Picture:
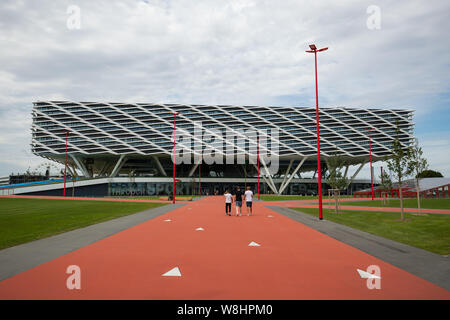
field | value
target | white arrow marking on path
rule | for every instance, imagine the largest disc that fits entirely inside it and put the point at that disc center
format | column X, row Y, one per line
column 199, row 229
column 168, row 220
column 253, row 244
column 175, row 272
column 366, row 275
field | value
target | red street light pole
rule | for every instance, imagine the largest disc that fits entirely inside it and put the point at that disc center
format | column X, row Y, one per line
column 199, row 177
column 65, row 164
column 315, row 50
column 173, row 160
column 371, row 171
column 245, row 172
column 257, row 140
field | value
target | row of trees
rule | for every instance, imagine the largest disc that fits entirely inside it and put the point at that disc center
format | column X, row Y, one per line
column 406, row 163
column 401, row 163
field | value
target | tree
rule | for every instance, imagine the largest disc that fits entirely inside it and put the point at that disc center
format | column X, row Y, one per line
column 336, row 179
column 398, row 165
column 417, row 164
column 430, row 174
column 386, row 183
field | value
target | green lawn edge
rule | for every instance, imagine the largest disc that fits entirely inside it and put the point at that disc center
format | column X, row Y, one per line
column 25, row 220
column 431, row 232
column 407, row 203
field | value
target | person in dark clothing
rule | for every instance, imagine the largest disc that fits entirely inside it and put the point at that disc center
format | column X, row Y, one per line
column 238, row 196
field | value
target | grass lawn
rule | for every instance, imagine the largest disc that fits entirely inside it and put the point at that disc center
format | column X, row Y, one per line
column 407, row 203
column 430, row 232
column 24, row 220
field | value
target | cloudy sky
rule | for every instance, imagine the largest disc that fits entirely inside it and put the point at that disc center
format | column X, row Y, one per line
column 382, row 54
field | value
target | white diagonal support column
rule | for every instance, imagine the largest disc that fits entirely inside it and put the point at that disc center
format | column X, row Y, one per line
column 282, row 187
column 274, row 188
column 159, row 166
column 191, row 172
column 103, row 170
column 80, row 165
column 356, row 173
column 118, row 166
column 268, row 182
column 69, row 169
column 74, row 171
column 346, row 170
column 287, row 171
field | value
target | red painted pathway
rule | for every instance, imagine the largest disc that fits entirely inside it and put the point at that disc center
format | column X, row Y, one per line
column 293, row 262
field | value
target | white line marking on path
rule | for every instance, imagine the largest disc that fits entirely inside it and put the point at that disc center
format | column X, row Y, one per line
column 175, row 272
column 366, row 275
column 199, row 229
column 167, row 220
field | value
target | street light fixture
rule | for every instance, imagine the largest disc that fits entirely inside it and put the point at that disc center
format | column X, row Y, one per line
column 173, row 160
column 315, row 50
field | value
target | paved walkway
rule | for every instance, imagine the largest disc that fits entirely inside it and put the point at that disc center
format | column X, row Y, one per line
column 292, row 261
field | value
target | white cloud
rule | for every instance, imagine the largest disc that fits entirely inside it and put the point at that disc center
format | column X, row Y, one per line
column 436, row 147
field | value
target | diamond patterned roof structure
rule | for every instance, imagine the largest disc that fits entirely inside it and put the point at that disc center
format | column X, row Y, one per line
column 143, row 129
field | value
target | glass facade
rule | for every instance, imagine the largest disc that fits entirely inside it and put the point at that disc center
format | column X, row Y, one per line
column 210, row 188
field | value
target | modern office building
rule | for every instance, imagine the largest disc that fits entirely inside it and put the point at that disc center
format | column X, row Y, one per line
column 129, row 146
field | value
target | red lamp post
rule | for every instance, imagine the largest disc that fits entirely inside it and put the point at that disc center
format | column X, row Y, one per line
column 371, row 171
column 257, row 140
column 315, row 50
column 199, row 177
column 65, row 164
column 245, row 172
column 173, row 160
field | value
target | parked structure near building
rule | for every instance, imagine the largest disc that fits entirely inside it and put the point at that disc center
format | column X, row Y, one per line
column 428, row 188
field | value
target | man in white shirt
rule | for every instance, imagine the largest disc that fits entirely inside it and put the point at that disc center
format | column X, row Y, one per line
column 228, row 201
column 249, row 201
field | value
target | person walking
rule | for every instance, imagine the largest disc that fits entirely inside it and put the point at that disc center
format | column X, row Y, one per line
column 249, row 201
column 238, row 199
column 228, row 202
